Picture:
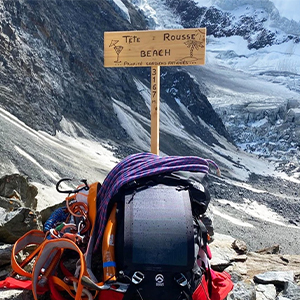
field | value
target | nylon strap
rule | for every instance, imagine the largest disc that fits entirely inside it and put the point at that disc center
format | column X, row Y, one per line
column 47, row 249
column 32, row 237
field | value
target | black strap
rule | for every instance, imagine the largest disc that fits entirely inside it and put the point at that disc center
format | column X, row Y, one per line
column 185, row 286
column 209, row 281
column 205, row 243
column 131, row 290
column 203, row 232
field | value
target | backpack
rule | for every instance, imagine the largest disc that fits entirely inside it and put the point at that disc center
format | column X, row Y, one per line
column 128, row 272
column 159, row 241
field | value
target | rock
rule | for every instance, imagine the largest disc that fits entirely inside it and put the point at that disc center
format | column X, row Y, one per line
column 239, row 246
column 46, row 213
column 275, row 277
column 293, row 116
column 9, row 204
column 269, row 250
column 121, row 9
column 235, row 277
column 17, row 188
column 293, row 103
column 291, row 291
column 265, row 292
column 222, row 252
column 242, row 291
column 21, row 295
column 5, row 261
column 15, row 295
column 17, row 207
column 258, row 264
column 5, row 253
column 16, row 223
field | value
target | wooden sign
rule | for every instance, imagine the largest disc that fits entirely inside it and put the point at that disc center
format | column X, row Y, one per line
column 155, row 48
column 149, row 48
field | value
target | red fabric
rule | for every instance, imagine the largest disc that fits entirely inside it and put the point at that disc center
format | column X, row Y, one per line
column 12, row 283
column 221, row 285
column 55, row 295
column 201, row 292
column 110, row 295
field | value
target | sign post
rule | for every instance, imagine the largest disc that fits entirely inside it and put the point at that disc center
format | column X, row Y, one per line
column 155, row 92
column 155, row 48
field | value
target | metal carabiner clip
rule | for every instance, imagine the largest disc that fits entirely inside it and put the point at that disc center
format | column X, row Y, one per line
column 85, row 187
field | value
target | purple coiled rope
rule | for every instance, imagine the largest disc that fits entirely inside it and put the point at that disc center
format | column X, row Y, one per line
column 138, row 166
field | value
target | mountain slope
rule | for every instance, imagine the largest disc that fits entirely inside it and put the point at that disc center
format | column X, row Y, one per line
column 251, row 76
column 52, row 67
column 53, row 81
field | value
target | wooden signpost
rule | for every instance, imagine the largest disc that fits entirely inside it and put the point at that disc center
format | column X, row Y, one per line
column 155, row 48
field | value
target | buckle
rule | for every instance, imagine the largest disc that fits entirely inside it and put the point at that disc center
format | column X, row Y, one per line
column 137, row 277
column 119, row 287
column 181, row 279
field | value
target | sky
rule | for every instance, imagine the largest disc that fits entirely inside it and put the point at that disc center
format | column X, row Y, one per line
column 288, row 8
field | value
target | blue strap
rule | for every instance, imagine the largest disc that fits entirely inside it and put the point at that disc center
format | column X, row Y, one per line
column 109, row 264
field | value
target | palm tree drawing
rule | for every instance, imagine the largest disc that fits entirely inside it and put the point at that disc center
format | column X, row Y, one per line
column 196, row 44
column 118, row 49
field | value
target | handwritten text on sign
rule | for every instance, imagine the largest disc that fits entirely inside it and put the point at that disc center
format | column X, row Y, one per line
column 155, row 48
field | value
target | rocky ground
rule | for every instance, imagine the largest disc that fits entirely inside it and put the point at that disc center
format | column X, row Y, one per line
column 279, row 195
column 263, row 260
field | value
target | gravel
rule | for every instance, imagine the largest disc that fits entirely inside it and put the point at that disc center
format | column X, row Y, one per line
column 277, row 225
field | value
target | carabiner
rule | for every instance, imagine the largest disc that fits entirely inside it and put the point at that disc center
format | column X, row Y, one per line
column 85, row 187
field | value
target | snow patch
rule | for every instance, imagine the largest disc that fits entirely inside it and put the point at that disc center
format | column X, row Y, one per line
column 184, row 109
column 52, row 175
column 230, row 218
column 121, row 9
column 157, row 14
column 129, row 121
column 256, row 210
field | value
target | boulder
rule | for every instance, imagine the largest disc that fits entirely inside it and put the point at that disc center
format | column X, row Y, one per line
column 265, row 292
column 223, row 253
column 239, row 246
column 16, row 187
column 275, row 277
column 5, row 252
column 14, row 224
column 291, row 291
column 17, row 207
column 242, row 291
